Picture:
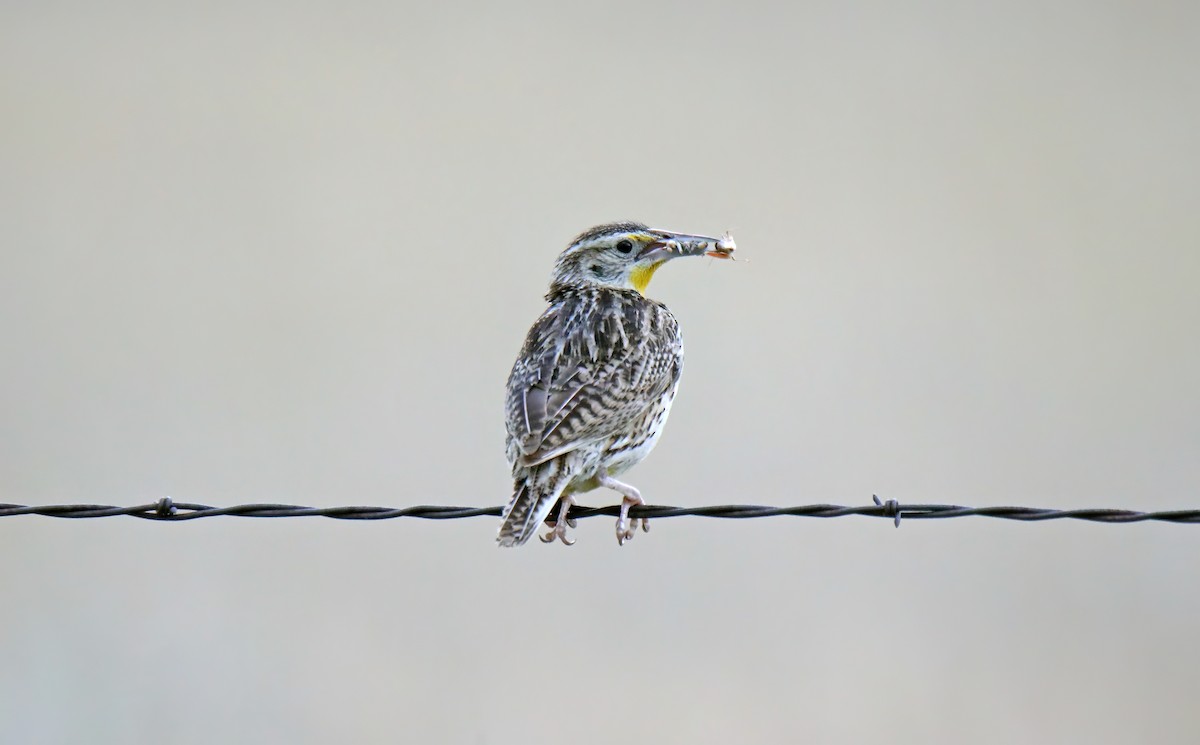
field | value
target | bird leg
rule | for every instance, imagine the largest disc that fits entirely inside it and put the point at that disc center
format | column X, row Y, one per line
column 625, row 526
column 561, row 523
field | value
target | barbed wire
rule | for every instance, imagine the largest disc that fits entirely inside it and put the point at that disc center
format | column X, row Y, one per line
column 168, row 510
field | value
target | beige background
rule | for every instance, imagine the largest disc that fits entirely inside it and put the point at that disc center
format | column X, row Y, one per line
column 270, row 252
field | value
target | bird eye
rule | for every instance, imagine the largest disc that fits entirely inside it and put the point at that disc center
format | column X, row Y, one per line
column 624, row 246
column 596, row 269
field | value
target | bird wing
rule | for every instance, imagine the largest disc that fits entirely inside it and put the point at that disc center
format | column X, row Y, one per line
column 578, row 381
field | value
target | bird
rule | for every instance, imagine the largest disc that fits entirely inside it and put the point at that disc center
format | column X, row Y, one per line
column 591, row 388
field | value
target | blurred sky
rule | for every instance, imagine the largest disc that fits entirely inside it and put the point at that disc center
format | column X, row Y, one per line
column 268, row 251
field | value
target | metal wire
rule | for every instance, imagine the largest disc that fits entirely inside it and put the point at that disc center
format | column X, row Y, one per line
column 169, row 510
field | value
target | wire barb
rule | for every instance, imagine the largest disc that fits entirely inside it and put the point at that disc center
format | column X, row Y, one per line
column 168, row 510
column 889, row 507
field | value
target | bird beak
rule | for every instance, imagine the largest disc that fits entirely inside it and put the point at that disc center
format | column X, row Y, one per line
column 668, row 245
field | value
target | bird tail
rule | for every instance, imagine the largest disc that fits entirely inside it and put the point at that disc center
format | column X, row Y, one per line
column 533, row 497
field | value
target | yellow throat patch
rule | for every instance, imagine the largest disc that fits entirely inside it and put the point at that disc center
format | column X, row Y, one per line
column 640, row 276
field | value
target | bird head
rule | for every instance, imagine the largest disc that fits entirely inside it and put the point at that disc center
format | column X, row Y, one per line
column 625, row 255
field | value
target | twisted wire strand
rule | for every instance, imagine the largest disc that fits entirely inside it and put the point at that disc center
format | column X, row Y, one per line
column 168, row 510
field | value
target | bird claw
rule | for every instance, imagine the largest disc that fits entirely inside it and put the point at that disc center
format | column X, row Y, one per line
column 558, row 530
column 626, row 531
column 627, row 526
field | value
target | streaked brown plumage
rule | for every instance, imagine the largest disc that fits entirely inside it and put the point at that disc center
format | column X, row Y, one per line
column 592, row 387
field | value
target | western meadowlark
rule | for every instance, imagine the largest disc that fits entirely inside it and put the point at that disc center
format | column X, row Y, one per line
column 591, row 389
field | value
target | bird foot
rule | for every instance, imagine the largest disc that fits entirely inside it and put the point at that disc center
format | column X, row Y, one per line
column 558, row 530
column 626, row 526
